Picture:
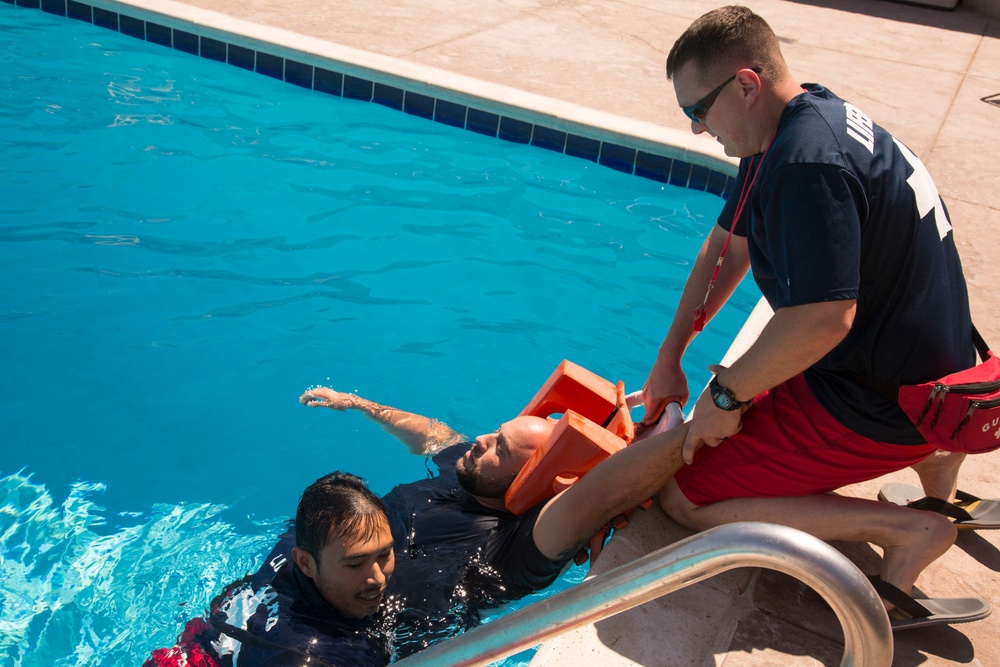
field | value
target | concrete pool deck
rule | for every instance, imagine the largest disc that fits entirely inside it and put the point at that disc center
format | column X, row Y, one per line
column 931, row 77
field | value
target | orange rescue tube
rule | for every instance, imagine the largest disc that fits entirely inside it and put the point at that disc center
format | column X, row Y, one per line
column 573, row 387
column 595, row 424
column 576, row 445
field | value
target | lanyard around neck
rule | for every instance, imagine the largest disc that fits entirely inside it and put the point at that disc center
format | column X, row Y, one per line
column 701, row 315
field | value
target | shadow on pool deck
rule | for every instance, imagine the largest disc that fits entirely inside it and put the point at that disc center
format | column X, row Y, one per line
column 920, row 72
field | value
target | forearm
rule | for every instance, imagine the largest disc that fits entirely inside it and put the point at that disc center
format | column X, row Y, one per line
column 735, row 266
column 421, row 435
column 615, row 485
column 793, row 340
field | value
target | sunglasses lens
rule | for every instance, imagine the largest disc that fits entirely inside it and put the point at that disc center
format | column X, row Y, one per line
column 695, row 112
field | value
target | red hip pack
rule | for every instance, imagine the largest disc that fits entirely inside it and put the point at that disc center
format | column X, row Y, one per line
column 960, row 412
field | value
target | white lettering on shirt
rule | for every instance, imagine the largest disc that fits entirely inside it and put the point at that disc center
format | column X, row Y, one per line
column 924, row 191
column 860, row 127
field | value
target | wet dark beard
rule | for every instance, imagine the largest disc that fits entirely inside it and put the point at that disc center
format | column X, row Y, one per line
column 475, row 485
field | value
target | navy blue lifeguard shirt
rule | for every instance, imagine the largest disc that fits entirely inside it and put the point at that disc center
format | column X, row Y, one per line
column 842, row 210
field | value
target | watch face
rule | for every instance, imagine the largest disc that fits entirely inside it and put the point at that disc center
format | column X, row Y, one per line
column 722, row 400
column 721, row 396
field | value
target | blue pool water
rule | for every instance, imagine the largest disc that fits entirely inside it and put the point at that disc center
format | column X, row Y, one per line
column 185, row 247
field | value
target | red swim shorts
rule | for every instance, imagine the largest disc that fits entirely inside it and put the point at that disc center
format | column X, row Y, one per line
column 790, row 446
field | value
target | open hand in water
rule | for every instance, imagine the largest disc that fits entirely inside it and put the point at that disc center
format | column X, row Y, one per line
column 324, row 397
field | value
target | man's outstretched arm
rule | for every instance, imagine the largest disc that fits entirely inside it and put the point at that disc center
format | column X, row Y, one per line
column 615, row 485
column 422, row 436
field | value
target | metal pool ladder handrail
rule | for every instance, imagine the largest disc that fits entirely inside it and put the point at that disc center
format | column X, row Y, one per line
column 867, row 635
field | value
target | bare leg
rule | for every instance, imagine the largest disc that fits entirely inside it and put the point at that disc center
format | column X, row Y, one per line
column 939, row 474
column 910, row 539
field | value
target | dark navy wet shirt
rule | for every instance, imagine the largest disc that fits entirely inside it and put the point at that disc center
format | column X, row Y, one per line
column 842, row 210
column 281, row 606
column 455, row 557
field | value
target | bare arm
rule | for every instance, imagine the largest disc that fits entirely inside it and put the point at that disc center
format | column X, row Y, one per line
column 666, row 377
column 615, row 485
column 794, row 339
column 422, row 436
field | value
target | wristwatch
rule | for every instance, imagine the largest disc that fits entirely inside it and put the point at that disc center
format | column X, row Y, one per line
column 723, row 398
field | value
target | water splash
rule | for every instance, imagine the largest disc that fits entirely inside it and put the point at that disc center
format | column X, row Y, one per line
column 74, row 595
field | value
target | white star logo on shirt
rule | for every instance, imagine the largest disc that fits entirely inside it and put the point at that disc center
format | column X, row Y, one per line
column 924, row 191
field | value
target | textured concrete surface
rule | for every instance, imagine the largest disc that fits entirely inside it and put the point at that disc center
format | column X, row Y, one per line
column 920, row 72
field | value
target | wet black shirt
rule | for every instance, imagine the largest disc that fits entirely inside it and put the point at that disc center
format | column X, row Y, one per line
column 455, row 557
column 278, row 618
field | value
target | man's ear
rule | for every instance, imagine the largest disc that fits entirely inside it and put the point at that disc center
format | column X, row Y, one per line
column 305, row 561
column 750, row 83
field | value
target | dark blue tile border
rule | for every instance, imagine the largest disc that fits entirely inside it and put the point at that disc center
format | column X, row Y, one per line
column 699, row 177
column 356, row 88
column 419, row 105
column 271, row 65
column 507, row 128
column 680, row 173
column 158, row 34
column 388, row 96
column 655, row 167
column 549, row 139
column 298, row 73
column 79, row 11
column 183, row 41
column 450, row 113
column 329, row 82
column 105, row 19
column 716, row 183
column 213, row 49
column 583, row 147
column 54, row 7
column 241, row 56
column 517, row 131
column 617, row 157
column 132, row 27
column 483, row 122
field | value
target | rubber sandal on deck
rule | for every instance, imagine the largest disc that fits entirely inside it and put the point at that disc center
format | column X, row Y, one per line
column 968, row 511
column 911, row 613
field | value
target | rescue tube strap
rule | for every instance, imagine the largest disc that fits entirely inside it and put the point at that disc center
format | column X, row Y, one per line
column 614, row 413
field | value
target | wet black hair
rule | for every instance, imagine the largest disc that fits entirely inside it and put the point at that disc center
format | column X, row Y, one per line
column 337, row 505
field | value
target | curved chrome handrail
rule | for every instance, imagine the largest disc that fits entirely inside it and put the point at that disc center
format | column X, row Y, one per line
column 867, row 635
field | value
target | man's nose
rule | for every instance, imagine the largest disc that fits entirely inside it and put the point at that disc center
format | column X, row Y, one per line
column 377, row 576
column 697, row 127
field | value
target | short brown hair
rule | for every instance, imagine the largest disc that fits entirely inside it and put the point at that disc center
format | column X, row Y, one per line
column 725, row 40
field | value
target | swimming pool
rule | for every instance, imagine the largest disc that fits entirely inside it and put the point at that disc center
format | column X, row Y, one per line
column 185, row 247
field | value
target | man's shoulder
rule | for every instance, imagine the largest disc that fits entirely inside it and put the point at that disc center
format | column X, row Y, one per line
column 444, row 480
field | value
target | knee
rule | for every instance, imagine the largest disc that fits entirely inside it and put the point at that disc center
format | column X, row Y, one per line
column 935, row 528
column 943, row 528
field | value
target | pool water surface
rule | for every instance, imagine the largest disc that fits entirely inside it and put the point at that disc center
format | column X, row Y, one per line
column 185, row 247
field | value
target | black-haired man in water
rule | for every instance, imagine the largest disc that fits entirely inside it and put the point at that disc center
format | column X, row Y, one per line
column 458, row 550
column 314, row 601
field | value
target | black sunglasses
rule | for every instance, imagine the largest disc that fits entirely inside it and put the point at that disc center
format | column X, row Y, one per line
column 699, row 109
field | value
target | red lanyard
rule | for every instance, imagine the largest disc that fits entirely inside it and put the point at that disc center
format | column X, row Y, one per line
column 701, row 315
